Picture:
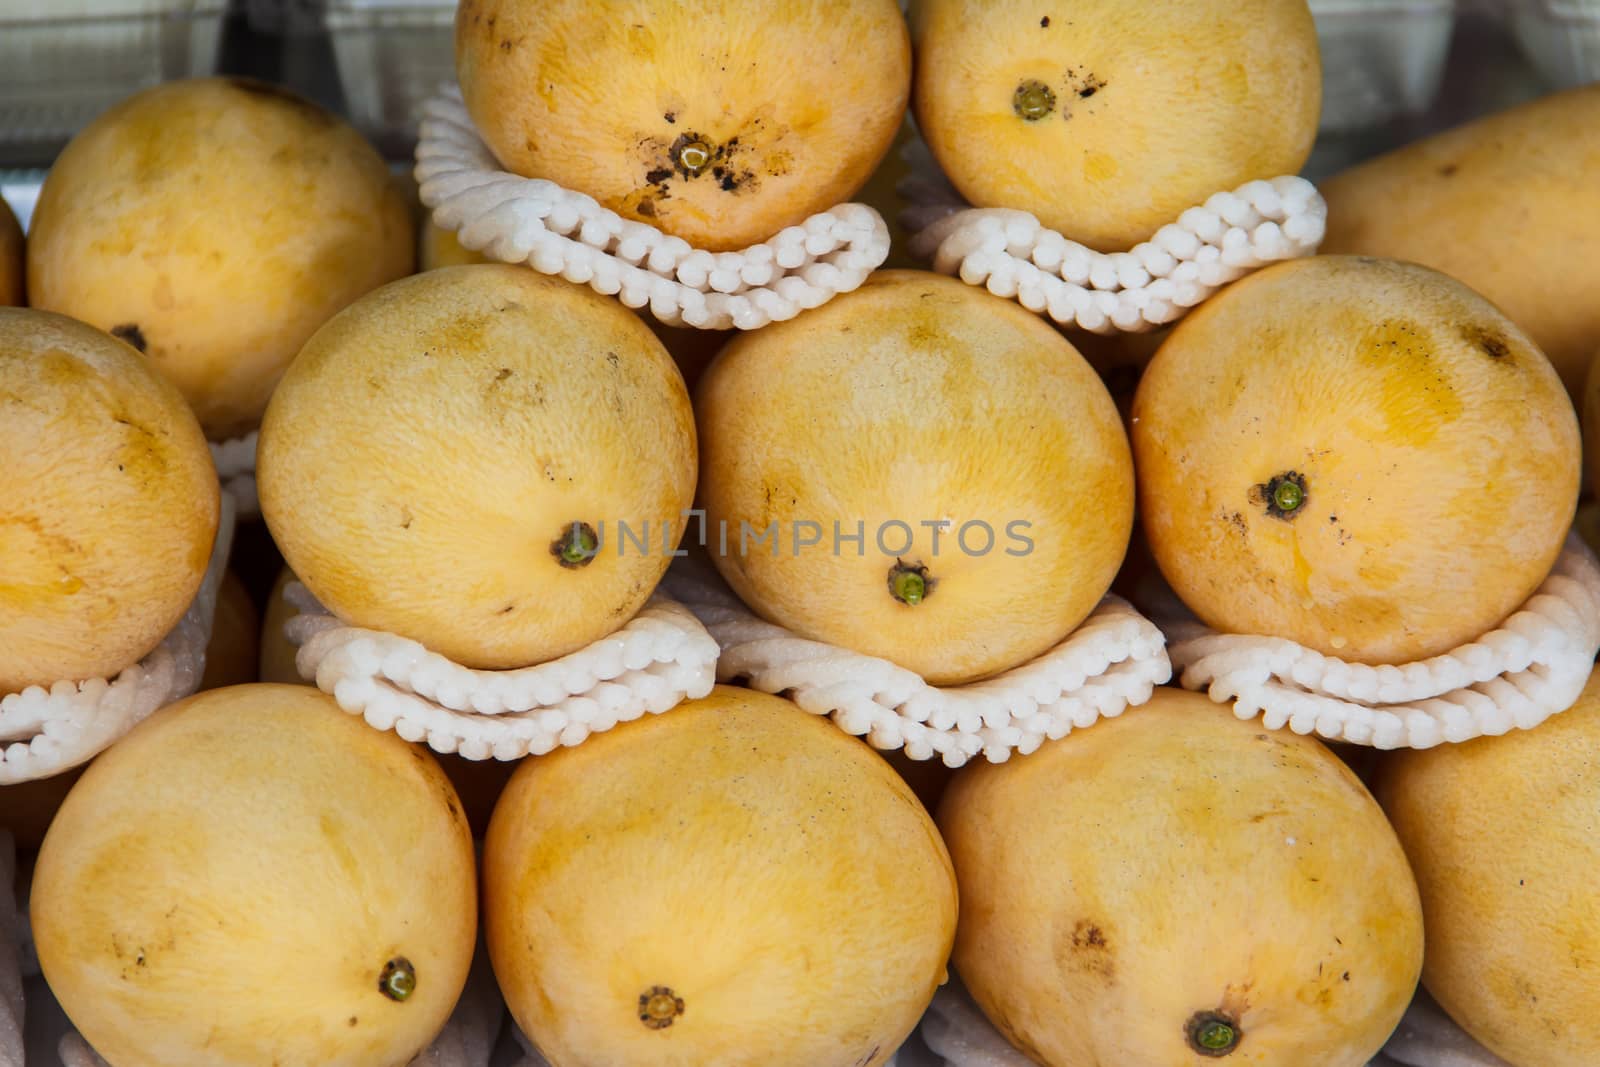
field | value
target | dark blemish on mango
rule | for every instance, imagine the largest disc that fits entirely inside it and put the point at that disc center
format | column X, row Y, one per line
column 1084, row 83
column 659, row 1006
column 1449, row 170
column 647, row 208
column 353, row 1020
column 1044, row 23
column 508, row 609
column 130, row 333
column 1086, row 935
column 1492, row 344
column 658, row 175
column 671, row 117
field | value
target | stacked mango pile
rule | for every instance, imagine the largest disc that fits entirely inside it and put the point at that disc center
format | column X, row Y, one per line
column 478, row 460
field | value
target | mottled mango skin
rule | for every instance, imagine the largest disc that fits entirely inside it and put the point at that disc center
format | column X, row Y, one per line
column 215, row 224
column 1438, row 452
column 1501, row 834
column 224, row 887
column 433, row 441
column 771, row 871
column 1173, row 861
column 1154, row 106
column 1507, row 204
column 915, row 400
column 797, row 101
column 13, row 270
column 232, row 654
column 692, row 349
column 109, row 503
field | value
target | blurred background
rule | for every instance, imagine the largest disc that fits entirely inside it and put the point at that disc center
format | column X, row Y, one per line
column 1394, row 69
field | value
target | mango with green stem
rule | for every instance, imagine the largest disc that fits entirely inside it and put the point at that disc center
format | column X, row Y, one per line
column 1108, row 119
column 1359, row 455
column 936, row 475
column 719, row 121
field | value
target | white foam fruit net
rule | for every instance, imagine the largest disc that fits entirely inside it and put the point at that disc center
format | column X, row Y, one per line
column 561, row 232
column 235, row 460
column 1013, row 255
column 659, row 659
column 44, row 731
column 957, row 1034
column 1530, row 667
column 1112, row 661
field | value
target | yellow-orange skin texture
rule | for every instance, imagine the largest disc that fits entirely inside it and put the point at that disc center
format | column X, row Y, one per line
column 1501, row 834
column 1438, row 451
column 692, row 349
column 216, row 223
column 772, row 872
column 234, row 650
column 109, row 503
column 434, row 441
column 1154, row 106
column 916, row 399
column 1174, row 861
column 13, row 270
column 224, row 887
column 797, row 103
column 1506, row 204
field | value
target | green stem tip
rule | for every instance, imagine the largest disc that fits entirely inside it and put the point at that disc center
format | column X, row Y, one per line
column 398, row 980
column 1284, row 494
column 909, row 584
column 1033, row 100
column 577, row 545
column 659, row 1006
column 1212, row 1034
column 693, row 154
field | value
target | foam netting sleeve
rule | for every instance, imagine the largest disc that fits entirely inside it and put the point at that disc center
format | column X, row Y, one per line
column 657, row 660
column 1014, row 255
column 235, row 460
column 1112, row 661
column 1530, row 667
column 44, row 731
column 958, row 1035
column 561, row 232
